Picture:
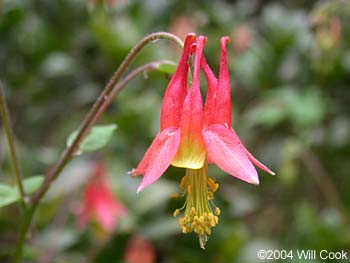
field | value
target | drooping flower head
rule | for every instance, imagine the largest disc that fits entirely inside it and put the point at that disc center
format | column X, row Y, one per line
column 99, row 204
column 191, row 136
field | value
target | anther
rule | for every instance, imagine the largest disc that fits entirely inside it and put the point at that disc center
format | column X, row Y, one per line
column 212, row 185
column 200, row 213
column 207, row 230
column 193, row 211
column 189, row 189
column 183, row 182
column 176, row 212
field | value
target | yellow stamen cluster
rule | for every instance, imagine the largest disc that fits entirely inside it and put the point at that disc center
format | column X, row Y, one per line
column 201, row 225
column 200, row 214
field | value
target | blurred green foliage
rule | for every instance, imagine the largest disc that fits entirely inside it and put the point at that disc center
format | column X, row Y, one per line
column 290, row 73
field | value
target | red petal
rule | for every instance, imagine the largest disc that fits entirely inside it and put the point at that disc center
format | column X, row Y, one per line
column 223, row 104
column 209, row 108
column 226, row 151
column 177, row 89
column 258, row 163
column 253, row 159
column 105, row 215
column 191, row 153
column 108, row 209
column 158, row 156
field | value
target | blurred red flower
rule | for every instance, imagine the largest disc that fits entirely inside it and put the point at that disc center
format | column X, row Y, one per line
column 98, row 203
column 139, row 250
column 182, row 25
column 243, row 38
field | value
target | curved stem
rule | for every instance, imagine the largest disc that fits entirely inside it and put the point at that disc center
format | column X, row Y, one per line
column 117, row 88
column 99, row 106
column 10, row 138
column 86, row 125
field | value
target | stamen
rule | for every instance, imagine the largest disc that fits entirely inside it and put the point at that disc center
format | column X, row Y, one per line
column 183, row 182
column 176, row 212
column 212, row 185
column 200, row 214
column 189, row 189
column 174, row 195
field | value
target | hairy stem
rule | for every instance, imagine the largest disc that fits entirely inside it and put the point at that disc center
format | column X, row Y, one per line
column 10, row 138
column 117, row 88
column 99, row 106
column 90, row 117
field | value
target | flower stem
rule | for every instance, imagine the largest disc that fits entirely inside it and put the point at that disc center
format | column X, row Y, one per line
column 117, row 88
column 97, row 109
column 90, row 117
column 27, row 219
column 10, row 138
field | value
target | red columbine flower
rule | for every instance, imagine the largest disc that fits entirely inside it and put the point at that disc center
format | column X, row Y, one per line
column 98, row 202
column 190, row 136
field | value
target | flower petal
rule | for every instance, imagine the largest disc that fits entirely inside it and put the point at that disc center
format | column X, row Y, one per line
column 225, row 149
column 223, row 98
column 191, row 152
column 108, row 209
column 209, row 107
column 106, row 215
column 158, row 156
column 258, row 163
column 252, row 158
column 177, row 89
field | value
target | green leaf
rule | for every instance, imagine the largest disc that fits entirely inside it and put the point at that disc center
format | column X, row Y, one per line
column 96, row 139
column 266, row 114
column 33, row 183
column 307, row 107
column 8, row 195
column 169, row 67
